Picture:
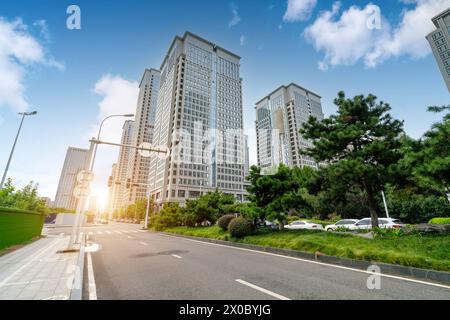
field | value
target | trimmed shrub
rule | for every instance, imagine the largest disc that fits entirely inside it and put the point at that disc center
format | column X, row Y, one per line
column 225, row 220
column 439, row 221
column 240, row 227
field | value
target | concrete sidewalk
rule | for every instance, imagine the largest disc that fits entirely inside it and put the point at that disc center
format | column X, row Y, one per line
column 37, row 271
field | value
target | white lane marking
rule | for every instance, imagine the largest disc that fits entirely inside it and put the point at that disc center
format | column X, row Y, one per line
column 134, row 231
column 142, row 231
column 316, row 262
column 118, row 232
column 91, row 279
column 108, row 232
column 270, row 293
column 91, row 233
column 130, row 237
column 99, row 232
column 143, row 243
column 125, row 231
column 176, row 256
column 33, row 258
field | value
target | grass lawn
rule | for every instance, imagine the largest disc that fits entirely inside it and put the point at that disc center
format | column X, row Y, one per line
column 429, row 251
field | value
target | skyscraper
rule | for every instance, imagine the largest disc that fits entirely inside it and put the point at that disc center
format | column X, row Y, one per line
column 74, row 162
column 279, row 117
column 122, row 165
column 138, row 166
column 439, row 41
column 199, row 118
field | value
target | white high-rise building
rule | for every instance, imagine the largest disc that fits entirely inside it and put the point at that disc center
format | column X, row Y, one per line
column 199, row 118
column 74, row 162
column 138, row 166
column 120, row 200
column 439, row 41
column 279, row 117
column 246, row 157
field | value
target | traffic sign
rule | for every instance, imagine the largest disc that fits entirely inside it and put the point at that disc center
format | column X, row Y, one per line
column 85, row 176
column 81, row 191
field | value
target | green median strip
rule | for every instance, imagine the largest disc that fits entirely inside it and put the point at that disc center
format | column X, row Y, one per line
column 428, row 251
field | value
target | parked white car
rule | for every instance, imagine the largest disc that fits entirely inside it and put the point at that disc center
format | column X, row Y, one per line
column 302, row 224
column 366, row 223
column 345, row 223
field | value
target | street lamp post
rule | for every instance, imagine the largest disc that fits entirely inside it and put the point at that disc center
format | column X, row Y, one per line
column 82, row 201
column 23, row 114
column 128, row 115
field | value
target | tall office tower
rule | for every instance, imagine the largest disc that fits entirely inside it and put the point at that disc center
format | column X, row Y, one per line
column 75, row 161
column 246, row 157
column 113, row 189
column 199, row 118
column 138, row 166
column 122, row 165
column 439, row 41
column 279, row 117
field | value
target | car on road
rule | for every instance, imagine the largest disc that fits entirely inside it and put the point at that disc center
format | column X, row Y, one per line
column 303, row 224
column 341, row 224
column 384, row 223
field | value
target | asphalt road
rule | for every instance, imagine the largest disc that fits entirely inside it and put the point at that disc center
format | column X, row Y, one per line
column 133, row 264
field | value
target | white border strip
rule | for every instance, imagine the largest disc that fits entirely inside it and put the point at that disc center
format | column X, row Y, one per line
column 91, row 279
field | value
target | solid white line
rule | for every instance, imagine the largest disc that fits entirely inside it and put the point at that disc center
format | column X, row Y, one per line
column 143, row 243
column 134, row 231
column 142, row 231
column 176, row 256
column 270, row 293
column 316, row 262
column 130, row 237
column 91, row 279
column 99, row 232
column 108, row 232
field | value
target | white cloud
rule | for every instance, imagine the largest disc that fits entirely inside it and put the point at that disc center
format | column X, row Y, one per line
column 346, row 39
column 19, row 51
column 42, row 25
column 118, row 96
column 242, row 40
column 235, row 19
column 299, row 10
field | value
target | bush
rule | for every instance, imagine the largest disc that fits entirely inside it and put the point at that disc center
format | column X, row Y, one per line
column 169, row 216
column 240, row 227
column 439, row 221
column 225, row 220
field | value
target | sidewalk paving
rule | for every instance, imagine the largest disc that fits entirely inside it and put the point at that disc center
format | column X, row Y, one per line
column 37, row 271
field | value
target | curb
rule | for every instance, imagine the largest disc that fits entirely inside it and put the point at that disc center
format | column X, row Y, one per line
column 77, row 291
column 440, row 277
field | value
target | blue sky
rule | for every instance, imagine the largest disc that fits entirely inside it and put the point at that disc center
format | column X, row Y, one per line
column 74, row 77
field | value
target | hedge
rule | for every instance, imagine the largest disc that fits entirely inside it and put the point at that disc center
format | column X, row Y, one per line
column 18, row 226
column 439, row 221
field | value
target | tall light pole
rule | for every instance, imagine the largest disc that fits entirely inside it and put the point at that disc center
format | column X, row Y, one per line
column 81, row 203
column 128, row 115
column 23, row 114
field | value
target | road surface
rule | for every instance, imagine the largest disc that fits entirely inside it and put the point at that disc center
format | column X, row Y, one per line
column 130, row 263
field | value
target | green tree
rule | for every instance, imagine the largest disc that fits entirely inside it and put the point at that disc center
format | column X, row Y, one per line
column 359, row 144
column 26, row 198
column 432, row 157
